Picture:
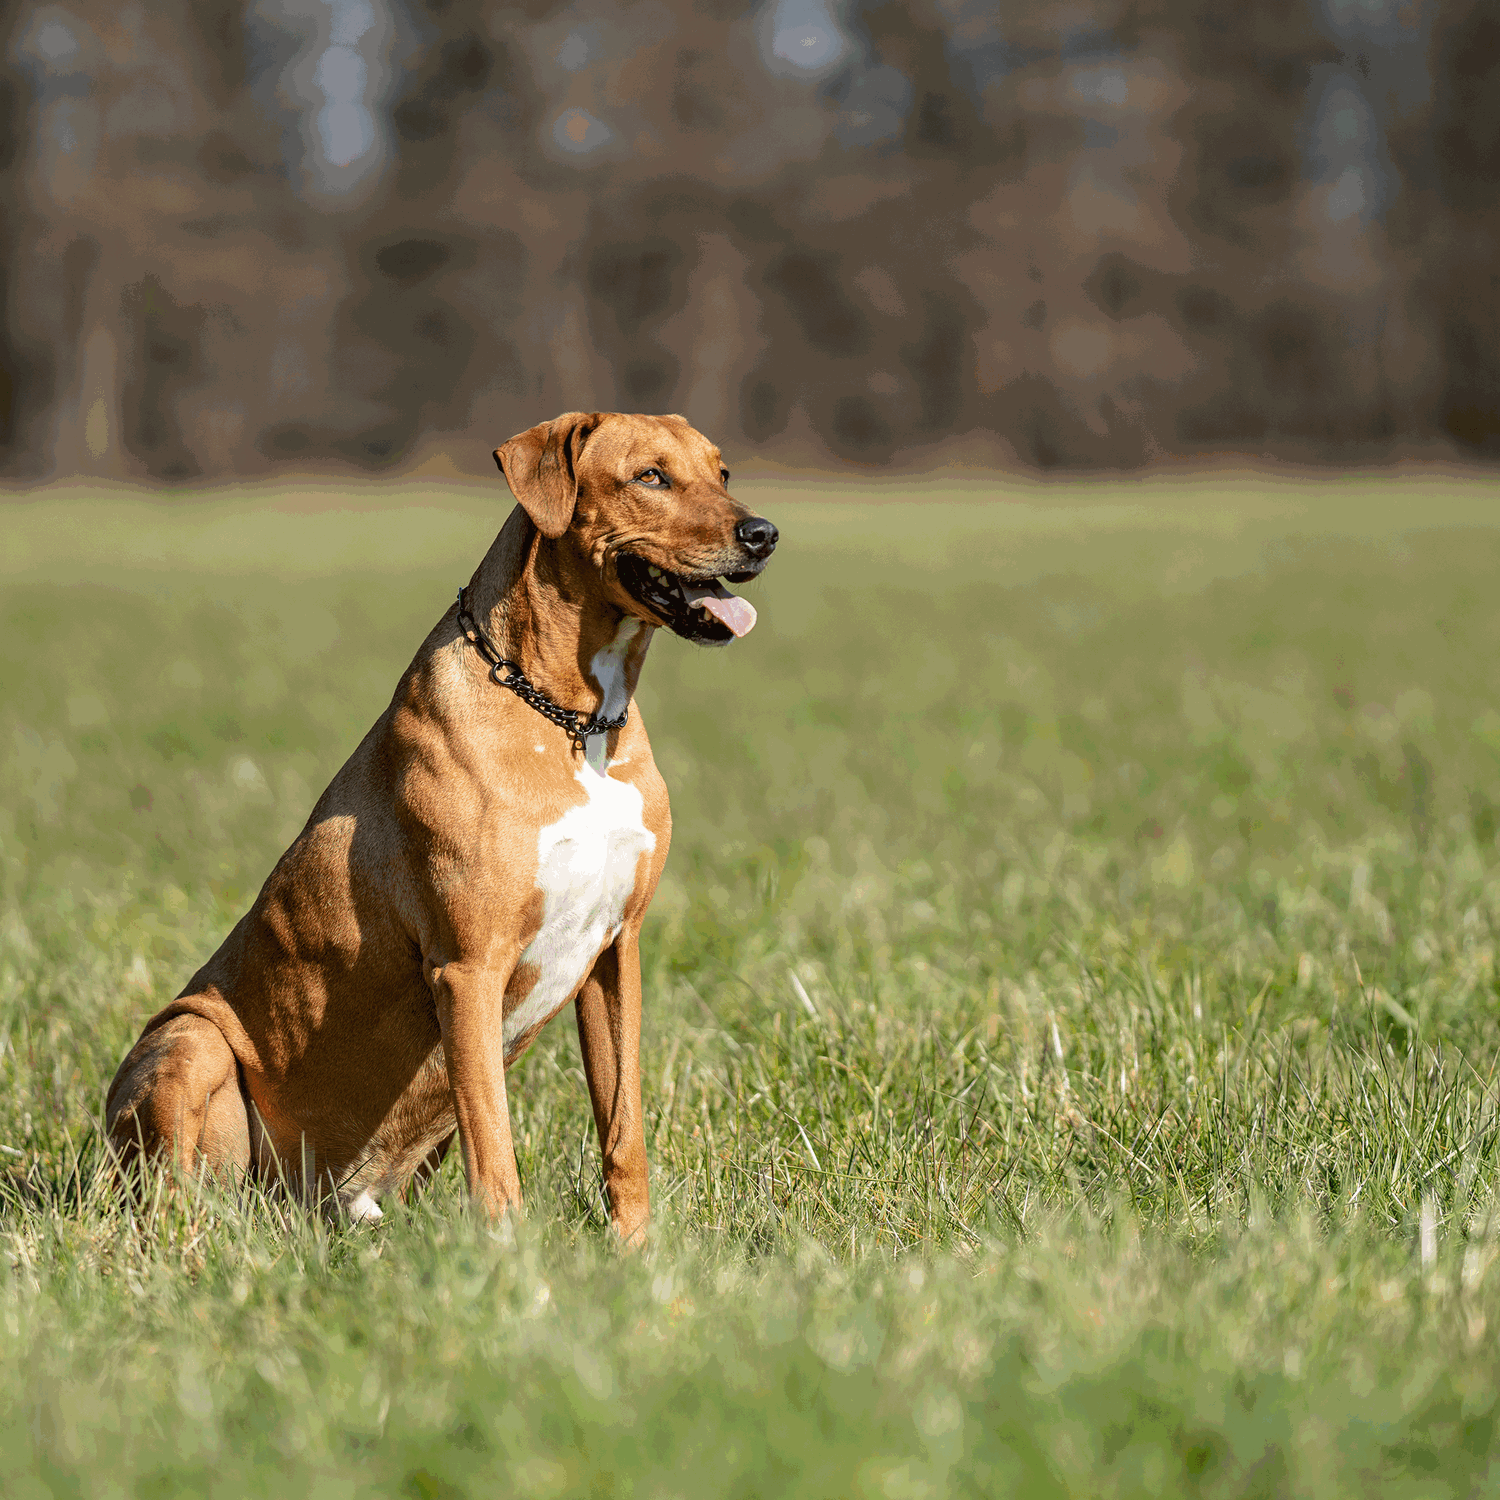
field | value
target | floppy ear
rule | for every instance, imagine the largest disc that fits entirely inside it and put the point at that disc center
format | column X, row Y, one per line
column 539, row 467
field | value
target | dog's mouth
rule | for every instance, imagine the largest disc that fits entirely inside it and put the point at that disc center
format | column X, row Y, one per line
column 697, row 609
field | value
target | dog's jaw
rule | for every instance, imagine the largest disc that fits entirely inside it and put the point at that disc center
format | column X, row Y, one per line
column 699, row 609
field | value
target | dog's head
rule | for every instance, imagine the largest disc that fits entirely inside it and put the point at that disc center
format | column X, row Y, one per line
column 644, row 500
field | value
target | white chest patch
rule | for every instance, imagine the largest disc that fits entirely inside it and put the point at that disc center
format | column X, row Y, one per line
column 586, row 871
column 585, row 866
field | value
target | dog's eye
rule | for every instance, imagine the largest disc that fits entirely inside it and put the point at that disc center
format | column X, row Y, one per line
column 723, row 476
column 653, row 477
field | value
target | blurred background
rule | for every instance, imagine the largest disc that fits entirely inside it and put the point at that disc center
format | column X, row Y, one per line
column 375, row 235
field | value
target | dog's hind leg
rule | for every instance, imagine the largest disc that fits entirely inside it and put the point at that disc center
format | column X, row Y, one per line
column 426, row 1169
column 178, row 1095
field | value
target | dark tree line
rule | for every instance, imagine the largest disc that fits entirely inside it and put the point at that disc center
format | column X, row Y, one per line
column 374, row 233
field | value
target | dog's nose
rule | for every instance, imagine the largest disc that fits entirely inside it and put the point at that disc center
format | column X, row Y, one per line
column 757, row 536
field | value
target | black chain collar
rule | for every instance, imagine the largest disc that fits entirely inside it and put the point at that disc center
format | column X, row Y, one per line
column 571, row 721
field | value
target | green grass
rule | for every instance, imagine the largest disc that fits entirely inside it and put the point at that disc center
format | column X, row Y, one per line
column 1071, row 1037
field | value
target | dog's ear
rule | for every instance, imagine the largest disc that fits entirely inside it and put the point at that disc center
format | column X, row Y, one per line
column 540, row 466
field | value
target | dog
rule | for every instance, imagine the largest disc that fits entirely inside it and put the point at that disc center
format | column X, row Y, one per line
column 485, row 856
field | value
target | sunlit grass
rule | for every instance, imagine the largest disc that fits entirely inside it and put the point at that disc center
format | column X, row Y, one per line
column 1071, row 1012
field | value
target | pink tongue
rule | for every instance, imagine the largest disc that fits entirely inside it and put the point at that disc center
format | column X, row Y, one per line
column 738, row 614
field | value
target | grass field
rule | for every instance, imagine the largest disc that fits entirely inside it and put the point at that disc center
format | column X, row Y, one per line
column 1071, row 1022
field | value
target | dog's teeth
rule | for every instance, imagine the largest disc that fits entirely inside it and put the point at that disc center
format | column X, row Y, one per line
column 654, row 571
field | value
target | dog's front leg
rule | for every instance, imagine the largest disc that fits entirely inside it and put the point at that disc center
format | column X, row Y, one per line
column 609, row 1036
column 469, row 1002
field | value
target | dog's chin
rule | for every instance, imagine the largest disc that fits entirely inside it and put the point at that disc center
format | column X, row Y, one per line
column 668, row 598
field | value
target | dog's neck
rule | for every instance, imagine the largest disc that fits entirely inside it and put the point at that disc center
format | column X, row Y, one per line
column 545, row 609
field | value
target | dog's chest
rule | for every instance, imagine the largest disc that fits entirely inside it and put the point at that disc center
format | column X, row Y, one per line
column 586, row 871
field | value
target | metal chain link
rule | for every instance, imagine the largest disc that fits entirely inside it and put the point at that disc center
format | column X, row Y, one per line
column 570, row 720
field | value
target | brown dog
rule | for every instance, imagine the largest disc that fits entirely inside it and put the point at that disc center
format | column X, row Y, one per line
column 484, row 857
